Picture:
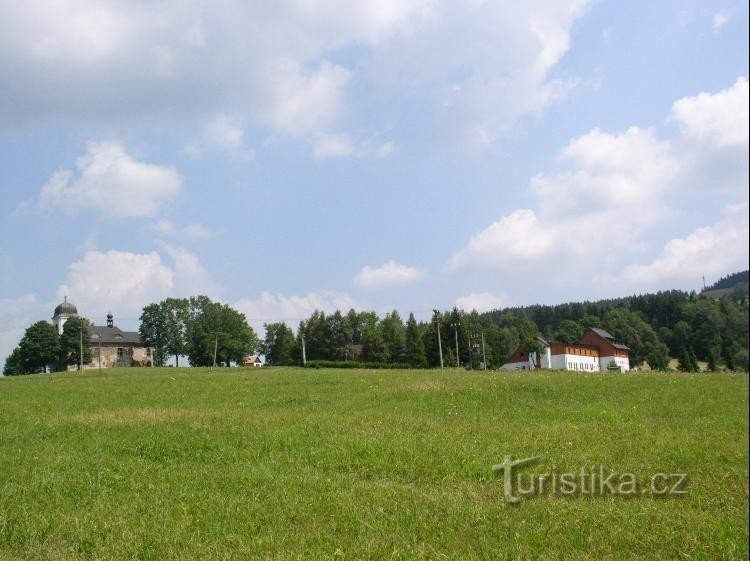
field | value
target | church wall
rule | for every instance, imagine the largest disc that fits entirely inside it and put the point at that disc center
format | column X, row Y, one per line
column 140, row 356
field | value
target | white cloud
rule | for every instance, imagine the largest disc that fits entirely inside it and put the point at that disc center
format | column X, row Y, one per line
column 481, row 302
column 719, row 20
column 305, row 100
column 194, row 231
column 268, row 307
column 721, row 118
column 123, row 282
column 151, row 62
column 517, row 237
column 616, row 187
column 613, row 176
column 190, row 277
column 222, row 132
column 109, row 181
column 387, row 275
column 332, row 146
column 710, row 250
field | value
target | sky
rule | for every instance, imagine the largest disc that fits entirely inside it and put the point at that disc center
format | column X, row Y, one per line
column 412, row 154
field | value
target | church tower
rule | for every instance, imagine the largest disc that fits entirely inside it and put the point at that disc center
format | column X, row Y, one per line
column 62, row 313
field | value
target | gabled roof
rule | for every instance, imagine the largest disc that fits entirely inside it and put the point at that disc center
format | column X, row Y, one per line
column 609, row 337
column 104, row 334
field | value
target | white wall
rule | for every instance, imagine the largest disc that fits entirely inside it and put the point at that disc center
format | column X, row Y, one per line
column 623, row 363
column 524, row 365
column 575, row 362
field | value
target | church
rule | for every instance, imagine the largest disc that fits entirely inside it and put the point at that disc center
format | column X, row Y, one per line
column 110, row 346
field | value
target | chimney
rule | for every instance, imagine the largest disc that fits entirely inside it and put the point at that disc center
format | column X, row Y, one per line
column 110, row 321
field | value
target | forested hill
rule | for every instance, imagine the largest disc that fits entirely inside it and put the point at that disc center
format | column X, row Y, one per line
column 712, row 326
column 730, row 281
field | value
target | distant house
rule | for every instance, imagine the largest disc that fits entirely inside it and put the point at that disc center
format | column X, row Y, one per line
column 252, row 360
column 595, row 351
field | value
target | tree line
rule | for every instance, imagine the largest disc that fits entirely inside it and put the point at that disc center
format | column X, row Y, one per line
column 656, row 327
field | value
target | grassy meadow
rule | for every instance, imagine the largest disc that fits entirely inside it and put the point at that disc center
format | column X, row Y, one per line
column 323, row 464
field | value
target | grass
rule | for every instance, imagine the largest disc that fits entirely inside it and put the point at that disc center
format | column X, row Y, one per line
column 292, row 464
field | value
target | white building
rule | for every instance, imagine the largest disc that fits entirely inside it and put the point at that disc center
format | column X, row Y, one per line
column 595, row 351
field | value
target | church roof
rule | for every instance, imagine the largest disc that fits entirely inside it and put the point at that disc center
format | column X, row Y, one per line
column 66, row 308
column 105, row 334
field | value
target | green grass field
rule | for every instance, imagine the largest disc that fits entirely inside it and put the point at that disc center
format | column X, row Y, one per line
column 299, row 464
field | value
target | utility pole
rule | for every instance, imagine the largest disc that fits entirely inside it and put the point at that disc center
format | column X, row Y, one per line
column 80, row 347
column 484, row 356
column 471, row 350
column 440, row 344
column 455, row 332
column 304, row 355
column 216, row 344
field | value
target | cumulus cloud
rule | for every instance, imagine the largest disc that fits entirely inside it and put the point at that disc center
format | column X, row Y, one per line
column 222, row 132
column 387, row 275
column 481, row 302
column 268, row 307
column 123, row 282
column 722, row 118
column 615, row 188
column 710, row 250
column 110, row 181
column 193, row 231
column 612, row 176
column 148, row 61
column 305, row 100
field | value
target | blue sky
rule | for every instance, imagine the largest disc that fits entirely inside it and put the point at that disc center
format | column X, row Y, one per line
column 409, row 154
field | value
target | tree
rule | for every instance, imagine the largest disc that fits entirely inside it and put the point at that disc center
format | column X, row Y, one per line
column 74, row 336
column 394, row 336
column 414, row 352
column 13, row 365
column 569, row 331
column 39, row 348
column 176, row 312
column 279, row 344
column 341, row 336
column 688, row 362
column 154, row 331
column 374, row 348
column 217, row 327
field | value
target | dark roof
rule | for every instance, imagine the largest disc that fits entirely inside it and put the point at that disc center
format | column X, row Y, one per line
column 104, row 334
column 609, row 337
column 66, row 308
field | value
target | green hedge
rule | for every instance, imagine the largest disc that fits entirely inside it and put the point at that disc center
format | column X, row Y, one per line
column 354, row 364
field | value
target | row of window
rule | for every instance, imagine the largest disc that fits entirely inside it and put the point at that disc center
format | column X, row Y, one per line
column 582, row 366
column 582, row 352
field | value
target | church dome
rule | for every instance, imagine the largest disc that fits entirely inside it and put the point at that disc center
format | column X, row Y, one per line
column 66, row 308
